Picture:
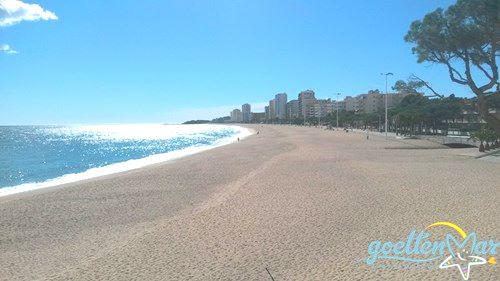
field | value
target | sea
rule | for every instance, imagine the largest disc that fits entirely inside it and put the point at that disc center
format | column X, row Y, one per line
column 33, row 157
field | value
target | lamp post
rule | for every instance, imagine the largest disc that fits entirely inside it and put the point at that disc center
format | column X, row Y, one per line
column 338, row 94
column 386, row 94
column 304, row 113
column 319, row 116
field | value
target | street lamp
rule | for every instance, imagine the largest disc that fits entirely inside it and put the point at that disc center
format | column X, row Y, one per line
column 386, row 94
column 338, row 94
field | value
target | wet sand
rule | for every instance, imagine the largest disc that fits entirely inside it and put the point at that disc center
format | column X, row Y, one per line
column 302, row 202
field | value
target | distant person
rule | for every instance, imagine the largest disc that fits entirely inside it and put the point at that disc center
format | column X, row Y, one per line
column 238, row 139
column 258, row 132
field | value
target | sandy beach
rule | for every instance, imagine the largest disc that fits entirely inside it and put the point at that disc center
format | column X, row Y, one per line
column 302, row 202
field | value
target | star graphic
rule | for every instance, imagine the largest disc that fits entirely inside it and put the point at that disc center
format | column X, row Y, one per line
column 463, row 264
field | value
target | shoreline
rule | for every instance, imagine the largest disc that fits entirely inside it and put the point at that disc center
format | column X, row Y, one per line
column 121, row 167
column 303, row 203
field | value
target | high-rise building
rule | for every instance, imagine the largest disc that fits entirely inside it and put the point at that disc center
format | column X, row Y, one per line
column 340, row 105
column 371, row 102
column 247, row 113
column 236, row 115
column 267, row 113
column 292, row 108
column 351, row 103
column 272, row 109
column 258, row 117
column 306, row 100
column 280, row 106
column 321, row 108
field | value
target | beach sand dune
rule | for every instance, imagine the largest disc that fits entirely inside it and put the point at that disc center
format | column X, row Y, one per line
column 302, row 202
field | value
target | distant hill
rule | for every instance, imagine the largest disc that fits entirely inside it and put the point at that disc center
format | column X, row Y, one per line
column 225, row 119
column 197, row 122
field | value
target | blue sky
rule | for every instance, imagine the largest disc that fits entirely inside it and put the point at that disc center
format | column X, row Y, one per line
column 169, row 61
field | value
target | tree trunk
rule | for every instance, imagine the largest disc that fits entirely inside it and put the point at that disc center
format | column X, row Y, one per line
column 484, row 111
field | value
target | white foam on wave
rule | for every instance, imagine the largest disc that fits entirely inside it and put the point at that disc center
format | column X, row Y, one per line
column 126, row 132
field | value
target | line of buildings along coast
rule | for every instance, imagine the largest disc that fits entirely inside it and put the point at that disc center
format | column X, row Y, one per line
column 306, row 106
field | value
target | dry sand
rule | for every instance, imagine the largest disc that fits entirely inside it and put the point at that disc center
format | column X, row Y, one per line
column 303, row 202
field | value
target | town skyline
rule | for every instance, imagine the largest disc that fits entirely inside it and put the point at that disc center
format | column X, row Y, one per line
column 307, row 105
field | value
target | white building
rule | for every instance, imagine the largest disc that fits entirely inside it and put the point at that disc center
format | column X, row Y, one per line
column 272, row 109
column 306, row 101
column 292, row 108
column 280, row 106
column 236, row 115
column 372, row 102
column 321, row 108
column 351, row 103
column 247, row 113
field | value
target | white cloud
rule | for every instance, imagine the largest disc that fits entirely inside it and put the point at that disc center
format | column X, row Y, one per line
column 7, row 49
column 15, row 11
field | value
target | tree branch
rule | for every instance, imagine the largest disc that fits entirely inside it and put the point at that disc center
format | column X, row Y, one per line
column 415, row 77
column 484, row 71
column 451, row 72
column 494, row 69
column 468, row 74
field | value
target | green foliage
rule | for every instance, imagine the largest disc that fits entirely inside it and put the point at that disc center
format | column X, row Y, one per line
column 464, row 29
column 408, row 87
column 346, row 118
column 485, row 134
column 494, row 101
column 297, row 121
column 419, row 109
column 464, row 38
column 414, row 110
column 376, row 91
column 197, row 122
column 448, row 108
column 312, row 120
column 413, row 101
column 224, row 119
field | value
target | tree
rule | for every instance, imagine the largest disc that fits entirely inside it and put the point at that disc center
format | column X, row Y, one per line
column 419, row 83
column 465, row 38
column 411, row 112
column 494, row 100
column 410, row 87
column 485, row 135
column 413, row 84
column 197, row 122
column 413, row 101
